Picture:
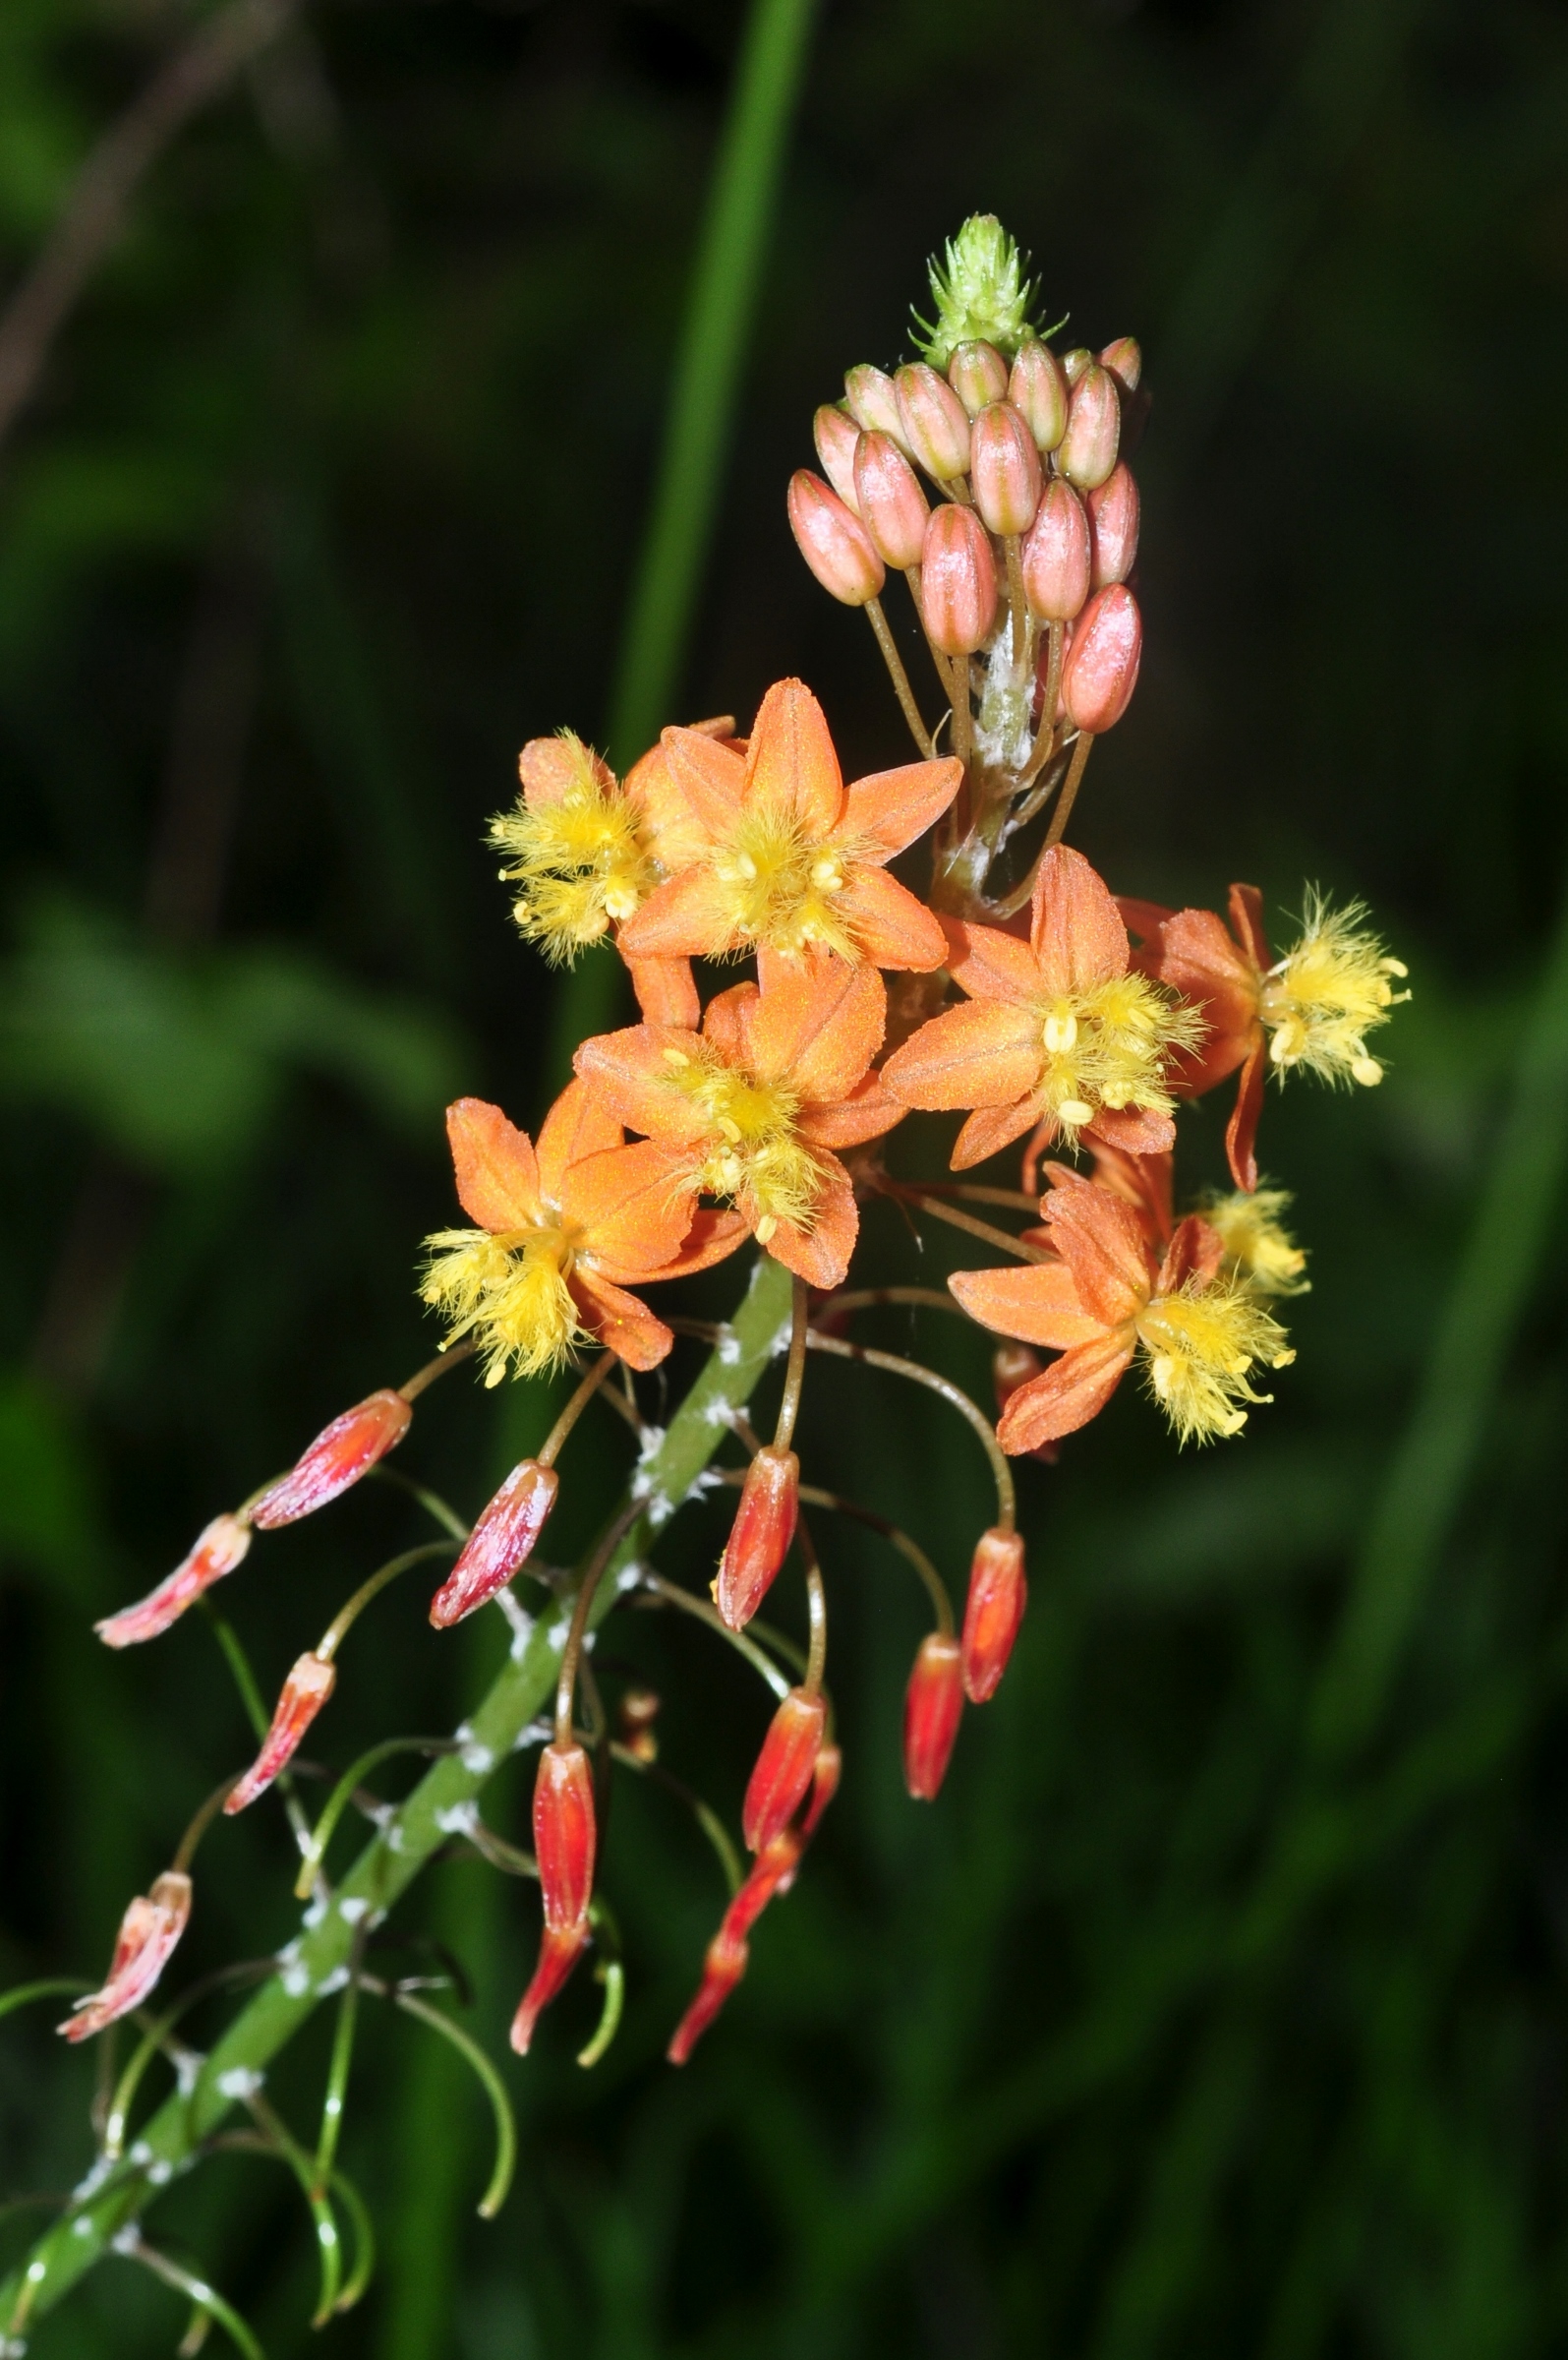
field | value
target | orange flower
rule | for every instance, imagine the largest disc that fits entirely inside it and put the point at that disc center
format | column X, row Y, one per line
column 783, row 857
column 1056, row 1031
column 751, row 1106
column 561, row 1233
column 1106, row 1299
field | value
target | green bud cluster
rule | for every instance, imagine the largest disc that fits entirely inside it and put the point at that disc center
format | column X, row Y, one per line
column 980, row 292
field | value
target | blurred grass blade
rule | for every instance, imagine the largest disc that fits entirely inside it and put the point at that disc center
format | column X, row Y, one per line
column 500, row 2178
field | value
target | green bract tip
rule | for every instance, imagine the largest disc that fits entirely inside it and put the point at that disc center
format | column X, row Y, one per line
column 980, row 292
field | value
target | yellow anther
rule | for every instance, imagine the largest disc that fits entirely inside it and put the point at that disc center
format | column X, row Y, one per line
column 1073, row 1110
column 1061, row 1033
column 1367, row 1072
column 767, row 1227
column 675, row 1057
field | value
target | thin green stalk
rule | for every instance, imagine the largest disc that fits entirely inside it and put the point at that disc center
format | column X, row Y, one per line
column 500, row 2178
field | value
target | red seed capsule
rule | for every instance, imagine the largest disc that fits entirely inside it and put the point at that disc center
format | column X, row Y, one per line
column 558, row 1954
column 832, row 541
column 220, row 1548
column 566, row 1835
column 143, row 1948
column 1113, row 525
column 998, row 1595
column 305, row 1692
column 339, row 1456
column 935, row 423
column 784, row 1768
column 1124, row 360
column 932, row 1705
column 873, row 401
column 1101, row 669
column 1089, row 447
column 835, row 435
column 760, row 1536
column 501, row 1543
column 1005, row 469
column 978, row 375
column 1057, row 554
column 957, row 580
column 1038, row 390
column 893, row 507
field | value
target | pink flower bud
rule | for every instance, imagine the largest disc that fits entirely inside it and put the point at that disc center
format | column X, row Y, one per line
column 1038, row 390
column 501, row 1543
column 957, row 580
column 1113, row 525
column 566, row 1835
column 873, row 401
column 558, row 1954
column 305, row 1692
column 998, row 1595
column 1093, row 429
column 219, row 1550
column 1075, row 363
column 978, row 375
column 932, row 1704
column 835, row 435
column 1005, row 469
column 760, row 1536
column 144, row 1946
column 784, row 1768
column 893, row 507
column 1100, row 672
column 832, row 541
column 1057, row 554
column 935, row 422
column 1124, row 360
column 722, row 1968
column 339, row 1456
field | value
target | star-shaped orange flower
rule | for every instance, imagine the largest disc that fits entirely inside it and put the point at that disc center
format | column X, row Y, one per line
column 791, row 860
column 751, row 1106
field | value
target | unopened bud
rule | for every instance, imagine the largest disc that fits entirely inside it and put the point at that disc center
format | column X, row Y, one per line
column 893, row 507
column 998, row 1595
column 1124, row 360
column 1075, row 363
column 143, row 1948
column 1101, row 669
column 1113, row 525
column 784, row 1768
column 339, row 1456
column 978, row 375
column 1005, row 469
column 760, row 1536
column 1057, row 554
column 566, row 1835
column 639, row 1711
column 723, row 1967
column 501, row 1543
column 220, row 1548
column 558, row 1954
column 873, row 401
column 1038, row 390
column 835, row 435
column 932, row 1705
column 832, row 541
column 957, row 580
column 1093, row 429
column 305, row 1692
column 935, row 422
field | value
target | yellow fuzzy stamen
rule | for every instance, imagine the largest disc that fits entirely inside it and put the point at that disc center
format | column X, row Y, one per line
column 1200, row 1346
column 509, row 1292
column 1321, row 1000
column 778, row 885
column 581, row 861
column 751, row 1153
column 1108, row 1045
column 1259, row 1251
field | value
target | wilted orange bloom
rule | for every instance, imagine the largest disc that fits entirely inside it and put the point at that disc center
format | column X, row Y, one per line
column 148, row 1932
column 563, row 1232
column 752, row 1106
column 1106, row 1299
column 784, row 857
column 1056, row 1031
column 303, row 1693
column 222, row 1545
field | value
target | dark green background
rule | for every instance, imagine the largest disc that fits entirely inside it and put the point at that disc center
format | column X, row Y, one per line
column 330, row 496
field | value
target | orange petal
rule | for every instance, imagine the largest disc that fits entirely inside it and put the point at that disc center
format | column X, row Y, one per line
column 892, row 807
column 1143, row 1181
column 986, row 1054
column 548, row 766
column 707, row 777
column 791, row 760
column 1241, row 1132
column 866, row 1113
column 621, row 1322
column 1072, row 1390
column 728, row 1022
column 821, row 1255
column 578, row 1124
column 712, row 1237
column 1133, row 1129
column 685, row 918
column 890, row 927
column 1247, row 923
column 497, row 1172
column 666, row 991
column 1193, row 1255
column 1100, row 1240
column 634, row 1206
column 671, row 829
column 990, row 1129
column 629, row 1073
column 1143, row 918
column 992, row 966
column 818, row 1027
column 1075, row 925
column 1037, row 1302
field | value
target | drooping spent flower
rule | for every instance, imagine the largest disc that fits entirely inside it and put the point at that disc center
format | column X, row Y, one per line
column 221, row 1547
column 340, row 1455
column 303, row 1693
column 143, row 1948
column 784, row 1767
column 501, row 1543
column 760, row 1536
column 932, row 1705
column 566, row 1841
column 993, row 1611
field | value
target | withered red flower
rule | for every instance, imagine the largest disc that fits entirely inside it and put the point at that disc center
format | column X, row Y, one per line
column 932, row 1705
column 144, row 1946
column 222, row 1545
column 303, row 1693
column 339, row 1457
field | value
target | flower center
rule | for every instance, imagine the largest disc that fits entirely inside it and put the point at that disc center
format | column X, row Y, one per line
column 779, row 885
column 510, row 1290
column 1199, row 1347
column 1107, row 1045
column 1323, row 998
column 751, row 1153
column 581, row 863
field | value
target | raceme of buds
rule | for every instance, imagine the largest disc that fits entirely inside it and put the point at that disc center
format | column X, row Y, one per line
column 1093, row 435
column 932, row 1705
column 873, row 401
column 148, row 1932
column 1113, row 525
column 566, row 1835
column 784, row 1768
column 832, row 541
column 305, row 1692
column 220, row 1548
column 998, row 1595
column 501, row 1543
column 1101, row 669
column 1057, row 554
column 760, row 1537
column 835, row 435
column 1038, row 391
column 957, row 580
column 1124, row 360
column 893, row 507
column 978, row 375
column 339, row 1456
column 935, row 422
column 1005, row 469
